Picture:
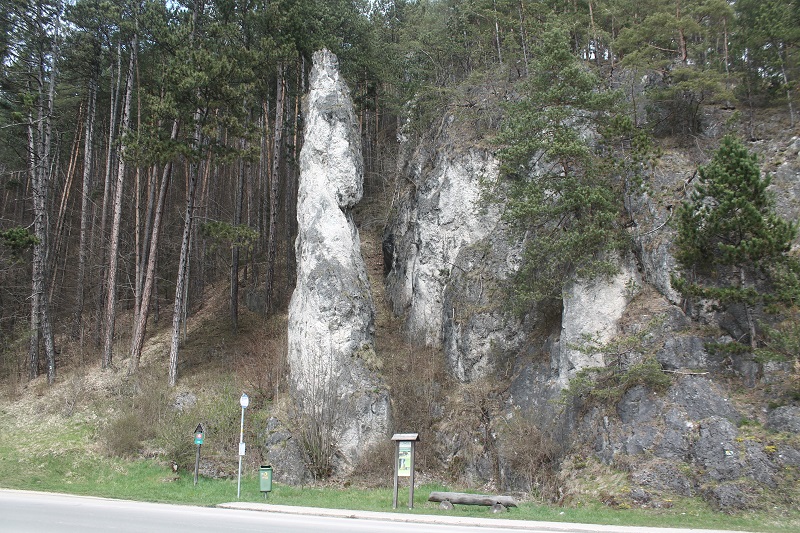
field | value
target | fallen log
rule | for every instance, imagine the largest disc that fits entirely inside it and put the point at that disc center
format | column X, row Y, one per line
column 471, row 499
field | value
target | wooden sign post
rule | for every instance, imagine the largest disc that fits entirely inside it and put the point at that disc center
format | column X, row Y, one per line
column 404, row 463
column 199, row 436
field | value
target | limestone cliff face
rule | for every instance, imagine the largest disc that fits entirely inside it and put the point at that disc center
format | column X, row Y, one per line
column 449, row 258
column 590, row 316
column 331, row 314
column 452, row 254
column 448, row 252
column 434, row 225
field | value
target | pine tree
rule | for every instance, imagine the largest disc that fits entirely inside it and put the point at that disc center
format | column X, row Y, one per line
column 562, row 189
column 767, row 43
column 730, row 237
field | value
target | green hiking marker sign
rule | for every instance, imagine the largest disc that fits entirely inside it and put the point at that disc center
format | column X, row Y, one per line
column 198, row 434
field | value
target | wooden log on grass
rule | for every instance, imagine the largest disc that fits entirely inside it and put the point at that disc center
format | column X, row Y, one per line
column 471, row 499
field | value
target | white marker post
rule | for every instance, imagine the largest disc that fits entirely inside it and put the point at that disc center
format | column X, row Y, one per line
column 244, row 401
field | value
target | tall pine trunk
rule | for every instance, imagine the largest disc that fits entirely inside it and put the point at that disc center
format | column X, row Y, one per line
column 39, row 144
column 274, row 186
column 88, row 154
column 113, row 247
column 290, row 189
column 237, row 220
column 140, row 328
column 107, row 182
column 140, row 235
column 37, row 282
column 61, row 216
column 37, row 275
column 183, row 263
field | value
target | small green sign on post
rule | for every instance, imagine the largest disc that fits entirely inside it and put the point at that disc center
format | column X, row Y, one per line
column 199, row 436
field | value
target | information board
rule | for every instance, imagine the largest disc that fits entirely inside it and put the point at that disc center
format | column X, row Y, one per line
column 404, row 459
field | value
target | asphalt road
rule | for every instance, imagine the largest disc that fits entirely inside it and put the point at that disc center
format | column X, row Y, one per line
column 37, row 512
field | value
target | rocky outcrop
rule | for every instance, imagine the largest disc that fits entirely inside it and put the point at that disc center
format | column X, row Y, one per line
column 282, row 449
column 787, row 162
column 448, row 256
column 331, row 315
column 446, row 252
column 482, row 335
column 441, row 217
column 693, row 424
column 652, row 208
column 785, row 418
column 590, row 318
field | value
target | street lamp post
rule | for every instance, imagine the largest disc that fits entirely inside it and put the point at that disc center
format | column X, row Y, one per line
column 244, row 401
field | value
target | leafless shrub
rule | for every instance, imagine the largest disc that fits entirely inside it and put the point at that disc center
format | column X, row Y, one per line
column 123, row 435
column 73, row 392
column 320, row 410
column 220, row 413
column 13, row 355
column 146, row 413
column 174, row 440
column 261, row 367
column 466, row 435
column 376, row 468
column 527, row 456
column 418, row 382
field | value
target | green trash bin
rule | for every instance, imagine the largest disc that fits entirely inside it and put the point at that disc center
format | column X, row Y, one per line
column 265, row 477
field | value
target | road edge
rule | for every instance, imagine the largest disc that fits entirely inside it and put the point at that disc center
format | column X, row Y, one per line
column 456, row 520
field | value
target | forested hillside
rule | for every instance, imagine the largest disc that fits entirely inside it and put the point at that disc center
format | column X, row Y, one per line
column 150, row 147
column 149, row 155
